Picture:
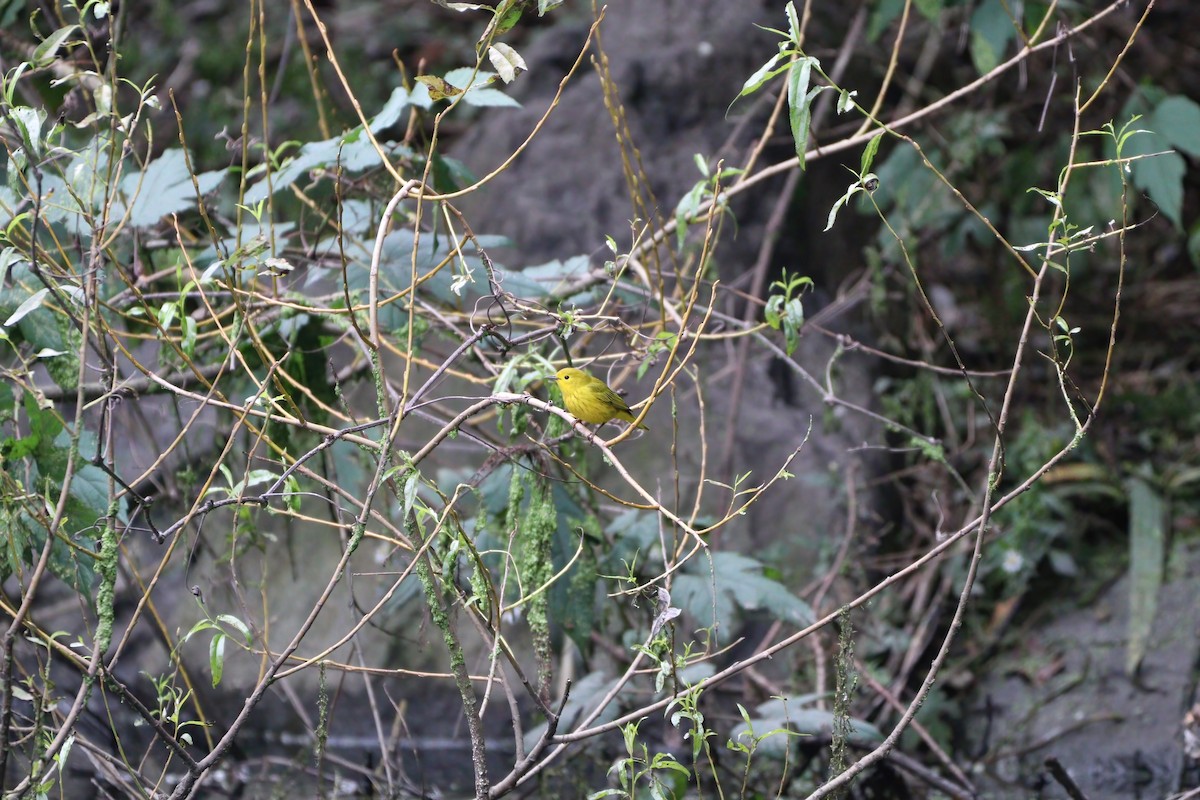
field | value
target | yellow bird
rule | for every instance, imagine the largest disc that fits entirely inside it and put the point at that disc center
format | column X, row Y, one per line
column 590, row 400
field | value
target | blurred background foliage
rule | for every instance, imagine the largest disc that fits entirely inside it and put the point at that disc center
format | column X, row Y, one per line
column 1090, row 520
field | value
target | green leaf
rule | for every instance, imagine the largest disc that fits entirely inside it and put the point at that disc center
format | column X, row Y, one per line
column 1147, row 536
column 237, row 625
column 1175, row 122
column 8, row 16
column 8, row 404
column 165, row 187
column 60, row 758
column 793, row 320
column 188, row 335
column 687, row 208
column 70, row 565
column 439, row 88
column 930, row 9
column 554, row 279
column 991, row 30
column 475, row 92
column 799, row 76
column 489, row 98
column 508, row 14
column 450, row 174
column 845, row 101
column 573, row 598
column 46, row 51
column 216, row 657
column 868, row 156
column 773, row 312
column 777, row 719
column 884, row 13
column 1177, row 119
column 29, row 123
column 352, row 152
column 389, row 115
column 740, row 584
column 411, row 484
column 87, row 499
column 1160, row 176
column 44, row 427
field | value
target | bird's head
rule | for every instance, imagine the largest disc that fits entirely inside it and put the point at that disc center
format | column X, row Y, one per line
column 568, row 375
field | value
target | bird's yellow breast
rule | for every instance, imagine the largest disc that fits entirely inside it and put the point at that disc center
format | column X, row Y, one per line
column 589, row 399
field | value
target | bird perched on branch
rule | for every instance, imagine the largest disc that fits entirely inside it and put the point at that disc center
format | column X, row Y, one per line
column 590, row 400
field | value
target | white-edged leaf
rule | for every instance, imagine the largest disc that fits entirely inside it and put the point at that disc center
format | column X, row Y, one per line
column 507, row 61
column 216, row 657
column 793, row 23
column 799, row 75
column 760, row 76
column 32, row 303
column 411, row 485
column 47, row 49
column 29, row 121
column 851, row 190
column 64, row 753
column 236, row 624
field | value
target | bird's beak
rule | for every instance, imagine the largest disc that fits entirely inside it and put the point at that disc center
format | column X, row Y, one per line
column 552, row 378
